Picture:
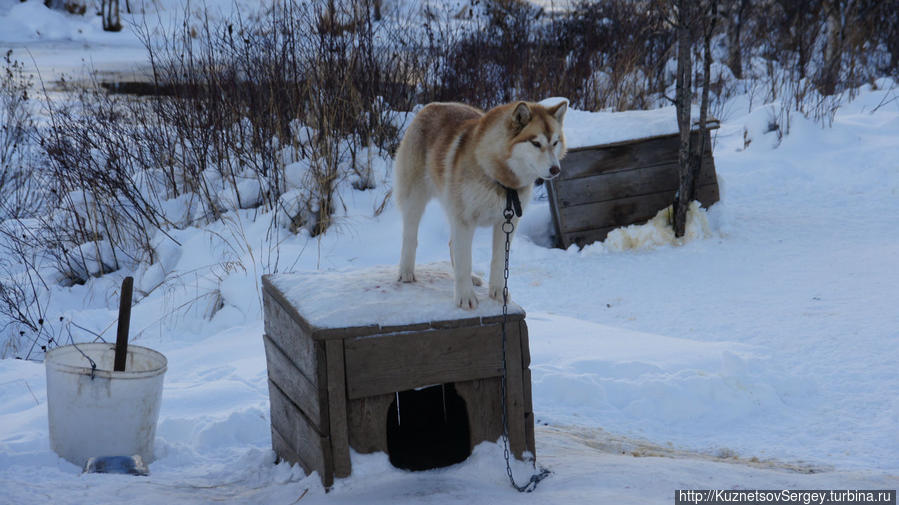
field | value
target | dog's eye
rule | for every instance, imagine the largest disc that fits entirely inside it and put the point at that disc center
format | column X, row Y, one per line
column 535, row 144
column 554, row 143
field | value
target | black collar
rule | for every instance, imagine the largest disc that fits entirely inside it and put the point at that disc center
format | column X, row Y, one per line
column 513, row 203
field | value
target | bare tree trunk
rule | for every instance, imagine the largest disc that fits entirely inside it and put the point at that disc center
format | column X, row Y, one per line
column 683, row 100
column 833, row 47
column 111, row 20
column 736, row 18
column 699, row 146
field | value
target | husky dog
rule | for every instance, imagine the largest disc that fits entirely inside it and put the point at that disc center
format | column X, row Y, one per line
column 468, row 158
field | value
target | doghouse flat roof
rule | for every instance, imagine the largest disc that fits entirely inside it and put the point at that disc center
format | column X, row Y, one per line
column 585, row 129
column 373, row 296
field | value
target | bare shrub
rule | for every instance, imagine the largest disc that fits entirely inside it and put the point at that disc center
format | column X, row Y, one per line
column 599, row 54
column 20, row 191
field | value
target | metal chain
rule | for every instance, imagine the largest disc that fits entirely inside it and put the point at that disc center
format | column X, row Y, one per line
column 508, row 228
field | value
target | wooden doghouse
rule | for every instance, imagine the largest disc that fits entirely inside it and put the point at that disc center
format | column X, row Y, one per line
column 623, row 180
column 343, row 348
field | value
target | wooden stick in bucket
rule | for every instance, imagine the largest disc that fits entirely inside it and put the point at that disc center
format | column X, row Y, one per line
column 121, row 341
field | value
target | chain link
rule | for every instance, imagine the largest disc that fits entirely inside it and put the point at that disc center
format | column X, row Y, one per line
column 508, row 227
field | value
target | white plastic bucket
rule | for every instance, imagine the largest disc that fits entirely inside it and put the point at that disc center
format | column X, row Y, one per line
column 104, row 413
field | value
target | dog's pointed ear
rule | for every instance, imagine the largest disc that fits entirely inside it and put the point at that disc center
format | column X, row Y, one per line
column 559, row 110
column 521, row 116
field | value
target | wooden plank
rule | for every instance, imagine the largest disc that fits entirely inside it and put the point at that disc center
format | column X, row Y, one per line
column 616, row 157
column 272, row 291
column 405, row 327
column 530, row 441
column 706, row 195
column 348, row 332
column 400, row 361
column 528, row 405
column 300, row 435
column 591, row 162
column 525, row 344
column 293, row 339
column 367, row 420
column 291, row 314
column 627, row 183
column 299, row 388
column 554, row 211
column 482, row 401
column 468, row 322
column 625, row 211
column 286, row 453
column 513, row 317
column 340, row 448
column 515, row 394
column 620, row 175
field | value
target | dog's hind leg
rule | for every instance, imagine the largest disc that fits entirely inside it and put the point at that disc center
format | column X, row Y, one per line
column 412, row 207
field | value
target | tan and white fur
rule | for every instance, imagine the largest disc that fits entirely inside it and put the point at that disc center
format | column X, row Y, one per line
column 464, row 157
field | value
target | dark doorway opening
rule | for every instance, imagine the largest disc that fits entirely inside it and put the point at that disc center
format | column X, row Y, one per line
column 429, row 430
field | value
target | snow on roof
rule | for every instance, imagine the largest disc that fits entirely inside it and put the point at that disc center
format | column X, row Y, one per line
column 586, row 129
column 347, row 298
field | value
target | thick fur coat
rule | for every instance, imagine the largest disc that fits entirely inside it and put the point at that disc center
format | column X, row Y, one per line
column 466, row 158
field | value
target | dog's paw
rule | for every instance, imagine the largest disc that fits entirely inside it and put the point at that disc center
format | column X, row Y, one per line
column 477, row 281
column 407, row 276
column 496, row 292
column 466, row 300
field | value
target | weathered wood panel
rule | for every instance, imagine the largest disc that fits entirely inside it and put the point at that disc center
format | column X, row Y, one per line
column 638, row 209
column 624, row 211
column 293, row 339
column 530, row 440
column 528, row 404
column 586, row 162
column 291, row 312
column 402, row 361
column 482, row 401
column 283, row 372
column 605, row 187
column 525, row 344
column 627, row 183
column 342, row 333
column 285, row 452
column 595, row 161
column 515, row 392
column 367, row 419
column 340, row 447
column 297, row 432
column 330, row 390
column 512, row 318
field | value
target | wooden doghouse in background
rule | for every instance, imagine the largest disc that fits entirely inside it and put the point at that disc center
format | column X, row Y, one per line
column 625, row 179
column 344, row 348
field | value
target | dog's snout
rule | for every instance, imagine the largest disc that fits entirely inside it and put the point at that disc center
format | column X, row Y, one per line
column 555, row 170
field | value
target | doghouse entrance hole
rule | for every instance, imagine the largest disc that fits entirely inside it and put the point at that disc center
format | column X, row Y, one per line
column 430, row 429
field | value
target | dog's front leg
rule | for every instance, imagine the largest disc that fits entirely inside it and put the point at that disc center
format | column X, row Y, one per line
column 462, row 235
column 498, row 262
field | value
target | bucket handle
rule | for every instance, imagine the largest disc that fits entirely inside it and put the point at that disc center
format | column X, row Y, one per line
column 92, row 362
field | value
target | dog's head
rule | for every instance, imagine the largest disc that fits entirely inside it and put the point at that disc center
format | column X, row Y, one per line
column 537, row 142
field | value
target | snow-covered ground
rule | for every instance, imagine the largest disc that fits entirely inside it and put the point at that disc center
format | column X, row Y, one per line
column 760, row 354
